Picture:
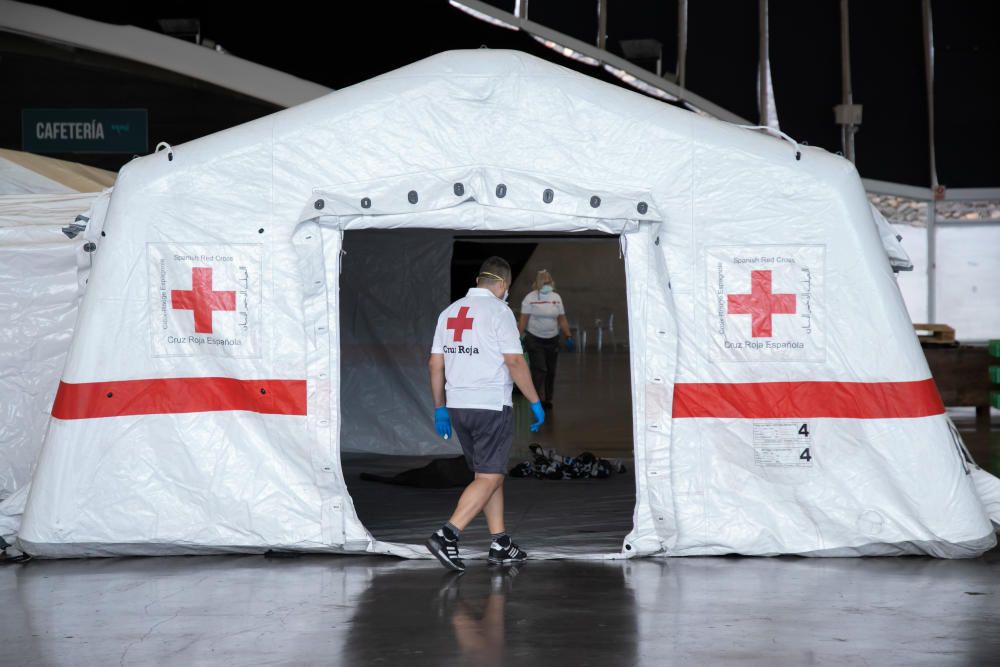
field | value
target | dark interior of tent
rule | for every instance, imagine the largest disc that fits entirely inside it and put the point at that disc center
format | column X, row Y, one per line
column 570, row 487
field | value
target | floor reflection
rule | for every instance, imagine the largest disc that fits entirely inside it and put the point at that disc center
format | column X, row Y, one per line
column 542, row 613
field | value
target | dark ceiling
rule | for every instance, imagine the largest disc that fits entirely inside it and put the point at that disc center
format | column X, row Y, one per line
column 339, row 44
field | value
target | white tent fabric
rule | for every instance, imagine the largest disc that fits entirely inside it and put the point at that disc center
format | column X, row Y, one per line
column 781, row 402
column 43, row 271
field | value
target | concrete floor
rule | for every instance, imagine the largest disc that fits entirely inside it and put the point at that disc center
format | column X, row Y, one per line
column 342, row 610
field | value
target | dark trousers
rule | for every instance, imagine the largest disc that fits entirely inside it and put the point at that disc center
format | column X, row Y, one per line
column 542, row 356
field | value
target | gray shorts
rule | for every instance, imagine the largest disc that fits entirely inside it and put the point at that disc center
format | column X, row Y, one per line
column 486, row 437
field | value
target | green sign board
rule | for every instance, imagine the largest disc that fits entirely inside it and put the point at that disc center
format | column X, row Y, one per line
column 84, row 131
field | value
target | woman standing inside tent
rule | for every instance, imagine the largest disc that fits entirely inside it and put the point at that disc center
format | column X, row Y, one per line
column 542, row 317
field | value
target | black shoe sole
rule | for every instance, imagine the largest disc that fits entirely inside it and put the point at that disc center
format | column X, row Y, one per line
column 443, row 557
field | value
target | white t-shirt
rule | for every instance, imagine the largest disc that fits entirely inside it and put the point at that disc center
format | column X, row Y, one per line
column 544, row 310
column 473, row 334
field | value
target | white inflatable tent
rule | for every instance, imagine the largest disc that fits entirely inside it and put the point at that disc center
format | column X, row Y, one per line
column 781, row 403
column 44, row 204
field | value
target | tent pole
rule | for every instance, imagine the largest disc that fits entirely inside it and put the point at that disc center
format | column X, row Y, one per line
column 682, row 41
column 762, row 92
column 936, row 190
column 929, row 75
column 602, row 24
column 931, row 260
column 847, row 126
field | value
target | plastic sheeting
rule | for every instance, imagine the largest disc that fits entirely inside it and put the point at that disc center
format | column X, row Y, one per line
column 759, row 296
column 42, row 276
column 393, row 286
column 967, row 274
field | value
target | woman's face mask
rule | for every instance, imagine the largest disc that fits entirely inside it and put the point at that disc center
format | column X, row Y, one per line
column 545, row 289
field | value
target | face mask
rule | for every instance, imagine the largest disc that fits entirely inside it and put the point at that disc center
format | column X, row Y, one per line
column 545, row 289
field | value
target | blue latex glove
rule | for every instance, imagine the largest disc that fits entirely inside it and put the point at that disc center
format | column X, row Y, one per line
column 442, row 422
column 536, row 407
column 570, row 344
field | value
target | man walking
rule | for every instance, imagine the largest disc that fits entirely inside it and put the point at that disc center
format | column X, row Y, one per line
column 476, row 359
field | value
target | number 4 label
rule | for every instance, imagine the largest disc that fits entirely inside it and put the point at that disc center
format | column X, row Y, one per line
column 804, row 432
column 784, row 443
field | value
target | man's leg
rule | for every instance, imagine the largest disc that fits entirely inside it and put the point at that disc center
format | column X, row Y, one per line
column 493, row 510
column 475, row 498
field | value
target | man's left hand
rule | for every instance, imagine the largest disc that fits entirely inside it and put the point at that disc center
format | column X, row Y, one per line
column 539, row 411
column 442, row 422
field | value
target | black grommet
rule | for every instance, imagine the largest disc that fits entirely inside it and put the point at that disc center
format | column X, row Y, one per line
column 170, row 157
column 89, row 246
column 110, row 394
column 628, row 547
column 260, row 231
column 642, row 207
column 595, row 201
column 366, row 203
column 798, row 155
column 501, row 191
column 263, row 391
column 319, row 205
column 411, row 196
column 657, row 241
column 548, row 196
column 103, row 234
column 459, row 189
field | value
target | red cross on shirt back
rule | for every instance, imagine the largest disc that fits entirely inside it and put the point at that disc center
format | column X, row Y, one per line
column 460, row 324
column 202, row 300
column 760, row 304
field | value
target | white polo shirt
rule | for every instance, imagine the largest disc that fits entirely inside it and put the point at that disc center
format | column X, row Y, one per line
column 544, row 310
column 473, row 334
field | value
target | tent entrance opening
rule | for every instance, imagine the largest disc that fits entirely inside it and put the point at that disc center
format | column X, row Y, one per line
column 403, row 478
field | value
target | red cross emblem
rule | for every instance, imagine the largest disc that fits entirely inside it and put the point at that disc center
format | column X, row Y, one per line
column 760, row 304
column 202, row 299
column 461, row 323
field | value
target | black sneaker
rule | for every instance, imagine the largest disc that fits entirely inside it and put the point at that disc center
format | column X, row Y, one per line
column 502, row 555
column 445, row 551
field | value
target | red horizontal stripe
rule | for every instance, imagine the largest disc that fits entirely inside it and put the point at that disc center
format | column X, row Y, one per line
column 779, row 400
column 176, row 395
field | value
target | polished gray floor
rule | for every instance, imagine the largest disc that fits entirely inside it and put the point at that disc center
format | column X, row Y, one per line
column 342, row 610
